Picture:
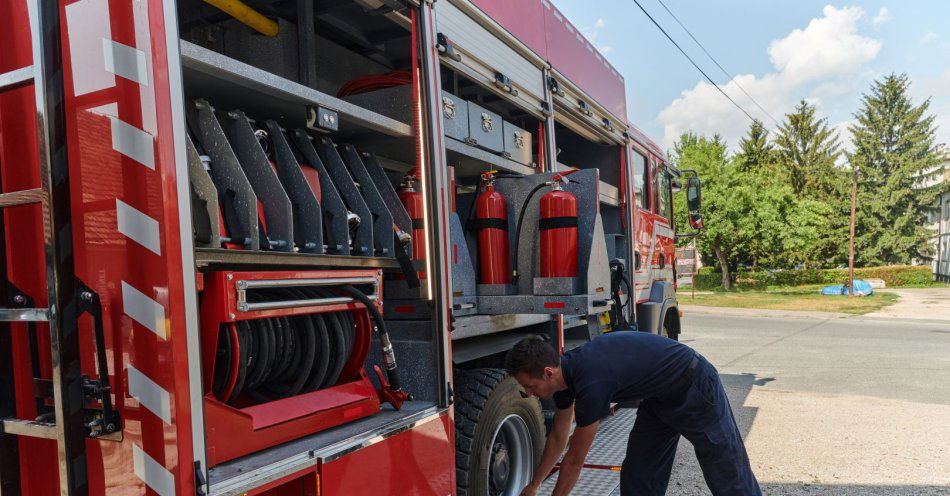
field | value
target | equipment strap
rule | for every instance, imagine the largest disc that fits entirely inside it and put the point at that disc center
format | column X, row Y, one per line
column 557, row 223
column 491, row 223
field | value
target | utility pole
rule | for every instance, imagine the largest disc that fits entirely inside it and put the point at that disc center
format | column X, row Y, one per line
column 854, row 202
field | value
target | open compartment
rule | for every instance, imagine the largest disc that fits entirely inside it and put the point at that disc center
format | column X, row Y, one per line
column 485, row 129
column 299, row 142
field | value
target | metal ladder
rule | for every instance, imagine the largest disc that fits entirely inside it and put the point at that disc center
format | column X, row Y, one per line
column 66, row 423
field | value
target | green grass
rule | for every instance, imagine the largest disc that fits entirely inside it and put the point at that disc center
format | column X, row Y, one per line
column 789, row 298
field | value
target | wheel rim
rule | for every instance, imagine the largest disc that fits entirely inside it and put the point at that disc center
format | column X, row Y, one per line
column 511, row 457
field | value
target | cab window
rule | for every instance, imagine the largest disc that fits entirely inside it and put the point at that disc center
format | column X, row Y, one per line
column 639, row 180
column 664, row 196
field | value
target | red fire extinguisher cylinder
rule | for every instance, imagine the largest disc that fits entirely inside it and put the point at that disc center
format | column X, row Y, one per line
column 415, row 207
column 558, row 226
column 491, row 217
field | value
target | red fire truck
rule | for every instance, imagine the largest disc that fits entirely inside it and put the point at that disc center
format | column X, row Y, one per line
column 281, row 247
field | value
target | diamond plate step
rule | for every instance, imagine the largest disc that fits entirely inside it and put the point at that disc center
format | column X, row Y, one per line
column 609, row 448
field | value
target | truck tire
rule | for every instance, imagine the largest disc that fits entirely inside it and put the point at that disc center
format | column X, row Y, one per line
column 498, row 434
column 668, row 329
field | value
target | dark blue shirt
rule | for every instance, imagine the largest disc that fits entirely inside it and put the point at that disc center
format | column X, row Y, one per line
column 620, row 366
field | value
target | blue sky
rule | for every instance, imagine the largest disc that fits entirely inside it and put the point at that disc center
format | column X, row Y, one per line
column 779, row 51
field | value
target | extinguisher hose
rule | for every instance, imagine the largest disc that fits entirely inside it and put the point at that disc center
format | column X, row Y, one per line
column 524, row 208
column 386, row 346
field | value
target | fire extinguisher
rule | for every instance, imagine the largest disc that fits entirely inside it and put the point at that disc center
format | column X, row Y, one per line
column 558, row 227
column 413, row 201
column 491, row 221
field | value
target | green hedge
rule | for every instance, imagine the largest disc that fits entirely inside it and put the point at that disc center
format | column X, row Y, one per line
column 893, row 276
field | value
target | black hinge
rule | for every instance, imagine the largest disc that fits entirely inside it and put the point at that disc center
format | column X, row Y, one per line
column 200, row 481
column 449, row 393
column 444, row 46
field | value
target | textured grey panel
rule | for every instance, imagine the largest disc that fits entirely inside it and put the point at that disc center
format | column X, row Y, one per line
column 463, row 270
column 234, row 190
column 592, row 482
column 555, row 285
column 395, row 102
column 204, row 197
column 610, row 445
column 484, row 127
column 454, row 116
column 517, row 143
column 609, row 448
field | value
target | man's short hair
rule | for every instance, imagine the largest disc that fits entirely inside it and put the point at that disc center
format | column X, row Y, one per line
column 531, row 355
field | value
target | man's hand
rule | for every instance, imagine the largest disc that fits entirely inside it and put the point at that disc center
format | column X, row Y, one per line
column 529, row 490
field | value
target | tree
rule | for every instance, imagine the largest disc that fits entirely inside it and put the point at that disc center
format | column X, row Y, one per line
column 755, row 151
column 807, row 151
column 896, row 159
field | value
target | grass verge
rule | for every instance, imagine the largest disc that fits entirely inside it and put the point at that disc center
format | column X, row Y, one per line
column 795, row 298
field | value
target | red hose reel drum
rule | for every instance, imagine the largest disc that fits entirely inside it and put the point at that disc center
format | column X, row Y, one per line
column 558, row 226
column 491, row 220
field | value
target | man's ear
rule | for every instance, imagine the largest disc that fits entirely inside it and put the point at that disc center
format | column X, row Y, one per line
column 548, row 372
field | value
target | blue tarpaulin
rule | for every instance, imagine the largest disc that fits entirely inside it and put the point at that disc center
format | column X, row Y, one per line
column 861, row 288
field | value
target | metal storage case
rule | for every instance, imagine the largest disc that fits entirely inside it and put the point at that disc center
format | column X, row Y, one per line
column 454, row 116
column 484, row 128
column 517, row 143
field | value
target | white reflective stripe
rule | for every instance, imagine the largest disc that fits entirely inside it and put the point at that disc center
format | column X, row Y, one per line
column 144, row 310
column 133, row 143
column 150, row 394
column 139, row 227
column 152, row 473
column 123, row 60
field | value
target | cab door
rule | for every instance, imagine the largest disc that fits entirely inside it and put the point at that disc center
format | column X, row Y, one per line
column 663, row 257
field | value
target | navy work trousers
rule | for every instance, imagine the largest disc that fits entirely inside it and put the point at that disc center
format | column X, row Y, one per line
column 701, row 413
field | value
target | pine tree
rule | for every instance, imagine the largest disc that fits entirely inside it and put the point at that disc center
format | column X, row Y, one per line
column 755, row 152
column 897, row 162
column 807, row 151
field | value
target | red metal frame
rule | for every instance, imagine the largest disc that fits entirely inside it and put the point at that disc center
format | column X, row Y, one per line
column 234, row 431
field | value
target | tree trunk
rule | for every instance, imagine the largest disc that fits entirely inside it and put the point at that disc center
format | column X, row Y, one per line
column 724, row 264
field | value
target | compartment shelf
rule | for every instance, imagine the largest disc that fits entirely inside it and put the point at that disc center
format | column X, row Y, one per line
column 609, row 194
column 215, row 258
column 480, row 325
column 470, row 161
column 211, row 74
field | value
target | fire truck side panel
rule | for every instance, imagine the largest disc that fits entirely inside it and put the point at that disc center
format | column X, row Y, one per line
column 411, row 462
column 127, row 237
column 515, row 16
column 574, row 56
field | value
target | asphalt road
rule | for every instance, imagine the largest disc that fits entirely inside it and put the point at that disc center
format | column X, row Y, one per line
column 852, row 406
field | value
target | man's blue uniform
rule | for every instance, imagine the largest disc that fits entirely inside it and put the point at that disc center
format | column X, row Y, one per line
column 681, row 394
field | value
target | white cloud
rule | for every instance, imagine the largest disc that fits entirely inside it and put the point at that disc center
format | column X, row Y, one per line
column 882, row 17
column 929, row 37
column 829, row 46
column 600, row 23
column 818, row 63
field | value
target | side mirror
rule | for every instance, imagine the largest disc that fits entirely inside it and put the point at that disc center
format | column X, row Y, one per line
column 696, row 220
column 694, row 202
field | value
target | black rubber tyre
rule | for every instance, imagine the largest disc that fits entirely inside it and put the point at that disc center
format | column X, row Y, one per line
column 488, row 403
column 668, row 329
